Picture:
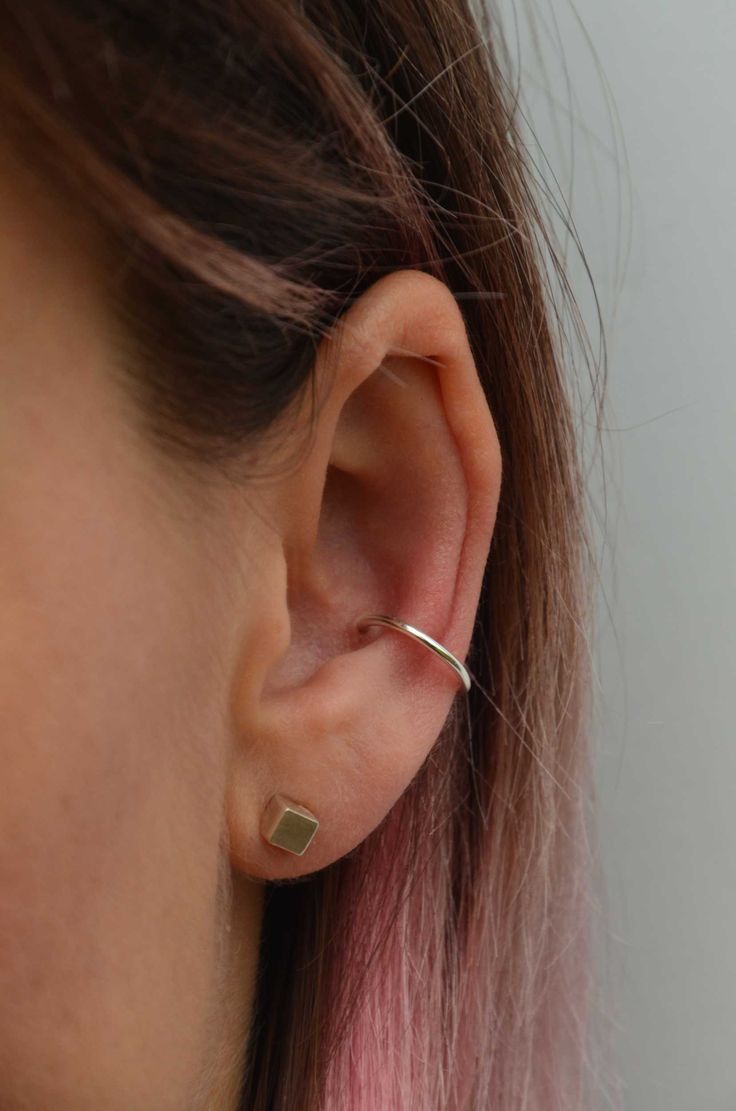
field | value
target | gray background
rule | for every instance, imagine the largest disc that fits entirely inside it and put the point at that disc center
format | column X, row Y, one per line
column 634, row 103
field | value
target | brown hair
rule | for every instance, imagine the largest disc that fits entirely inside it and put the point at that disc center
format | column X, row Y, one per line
column 257, row 166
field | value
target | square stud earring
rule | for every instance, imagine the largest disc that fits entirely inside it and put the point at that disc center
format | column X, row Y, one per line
column 288, row 825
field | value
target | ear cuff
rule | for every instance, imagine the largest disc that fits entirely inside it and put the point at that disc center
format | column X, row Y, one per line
column 289, row 826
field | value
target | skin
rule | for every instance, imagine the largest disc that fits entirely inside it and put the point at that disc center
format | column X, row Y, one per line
column 158, row 684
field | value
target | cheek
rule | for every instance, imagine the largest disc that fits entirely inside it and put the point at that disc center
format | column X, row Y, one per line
column 111, row 754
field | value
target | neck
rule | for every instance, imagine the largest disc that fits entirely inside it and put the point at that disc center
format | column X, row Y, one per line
column 241, row 935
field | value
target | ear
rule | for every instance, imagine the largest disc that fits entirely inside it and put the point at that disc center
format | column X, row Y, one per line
column 390, row 510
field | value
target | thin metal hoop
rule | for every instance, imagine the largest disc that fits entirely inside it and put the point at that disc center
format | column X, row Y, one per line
column 424, row 638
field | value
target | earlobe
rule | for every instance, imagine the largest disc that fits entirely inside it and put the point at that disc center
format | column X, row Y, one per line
column 288, row 825
column 391, row 512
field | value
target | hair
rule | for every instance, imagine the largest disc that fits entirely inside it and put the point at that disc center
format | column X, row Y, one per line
column 256, row 166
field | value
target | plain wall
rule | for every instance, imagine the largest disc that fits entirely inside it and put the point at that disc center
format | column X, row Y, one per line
column 666, row 653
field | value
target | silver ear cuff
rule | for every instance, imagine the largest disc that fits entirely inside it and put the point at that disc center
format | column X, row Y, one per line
column 424, row 638
column 288, row 825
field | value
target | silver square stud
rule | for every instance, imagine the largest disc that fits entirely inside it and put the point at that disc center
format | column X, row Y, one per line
column 288, row 826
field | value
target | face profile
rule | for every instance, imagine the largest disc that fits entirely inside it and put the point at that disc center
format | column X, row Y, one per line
column 292, row 571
